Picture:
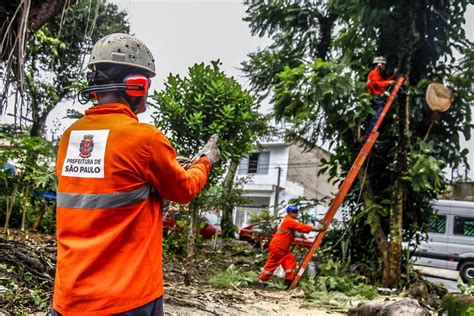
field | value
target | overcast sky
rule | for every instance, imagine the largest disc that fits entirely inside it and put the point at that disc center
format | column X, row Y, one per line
column 183, row 32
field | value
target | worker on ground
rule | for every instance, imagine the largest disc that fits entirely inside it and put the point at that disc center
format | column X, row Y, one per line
column 113, row 174
column 279, row 248
column 376, row 86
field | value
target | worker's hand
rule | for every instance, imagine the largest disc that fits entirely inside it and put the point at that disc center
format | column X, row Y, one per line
column 319, row 227
column 210, row 150
column 392, row 82
column 184, row 162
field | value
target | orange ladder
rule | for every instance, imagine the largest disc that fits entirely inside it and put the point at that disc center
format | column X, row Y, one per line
column 347, row 184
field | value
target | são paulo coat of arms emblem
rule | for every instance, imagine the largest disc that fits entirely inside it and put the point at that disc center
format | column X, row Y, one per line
column 87, row 146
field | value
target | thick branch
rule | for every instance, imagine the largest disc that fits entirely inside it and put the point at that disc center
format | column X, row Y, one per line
column 326, row 25
column 41, row 11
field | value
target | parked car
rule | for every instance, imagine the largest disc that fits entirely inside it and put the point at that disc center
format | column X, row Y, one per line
column 450, row 243
column 208, row 230
column 258, row 235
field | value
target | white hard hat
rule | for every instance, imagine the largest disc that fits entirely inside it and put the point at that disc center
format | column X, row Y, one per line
column 123, row 49
column 439, row 97
column 380, row 60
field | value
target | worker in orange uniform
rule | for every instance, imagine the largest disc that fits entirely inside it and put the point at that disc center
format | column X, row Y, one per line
column 113, row 174
column 376, row 86
column 279, row 248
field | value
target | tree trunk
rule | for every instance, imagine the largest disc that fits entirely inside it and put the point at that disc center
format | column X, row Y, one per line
column 10, row 201
column 326, row 27
column 227, row 225
column 39, row 217
column 376, row 226
column 25, row 205
column 189, row 274
column 399, row 195
column 393, row 269
column 37, row 129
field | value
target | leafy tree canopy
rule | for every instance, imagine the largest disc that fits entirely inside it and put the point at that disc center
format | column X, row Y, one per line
column 56, row 57
column 315, row 72
column 190, row 109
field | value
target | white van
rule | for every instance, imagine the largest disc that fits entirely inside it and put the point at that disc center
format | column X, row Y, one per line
column 450, row 243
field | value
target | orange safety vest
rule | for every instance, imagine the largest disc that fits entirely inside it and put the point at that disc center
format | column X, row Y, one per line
column 285, row 234
column 113, row 174
column 375, row 84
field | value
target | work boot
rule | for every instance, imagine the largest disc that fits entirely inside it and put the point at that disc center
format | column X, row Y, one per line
column 261, row 284
column 287, row 283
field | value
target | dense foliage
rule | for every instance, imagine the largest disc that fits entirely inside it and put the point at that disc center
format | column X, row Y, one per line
column 192, row 108
column 316, row 79
column 27, row 173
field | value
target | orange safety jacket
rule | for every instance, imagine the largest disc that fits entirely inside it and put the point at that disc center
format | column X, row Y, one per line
column 375, row 84
column 113, row 174
column 285, row 234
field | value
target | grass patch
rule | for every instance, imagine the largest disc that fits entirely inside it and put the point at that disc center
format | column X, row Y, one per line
column 232, row 277
column 336, row 287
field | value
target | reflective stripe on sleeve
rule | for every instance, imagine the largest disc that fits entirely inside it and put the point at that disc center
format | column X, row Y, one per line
column 267, row 272
column 283, row 231
column 105, row 200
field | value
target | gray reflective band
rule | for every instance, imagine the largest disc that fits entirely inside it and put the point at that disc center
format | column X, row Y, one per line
column 105, row 200
column 283, row 231
column 288, row 271
column 267, row 272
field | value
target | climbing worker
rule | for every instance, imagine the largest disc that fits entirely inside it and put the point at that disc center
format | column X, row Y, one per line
column 376, row 87
column 279, row 248
column 113, row 174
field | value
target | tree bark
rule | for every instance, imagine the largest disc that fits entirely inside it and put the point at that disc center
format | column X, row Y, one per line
column 392, row 272
column 189, row 273
column 10, row 201
column 399, row 195
column 39, row 217
column 25, row 205
column 227, row 225
column 38, row 127
column 40, row 13
column 393, row 269
column 376, row 226
column 326, row 26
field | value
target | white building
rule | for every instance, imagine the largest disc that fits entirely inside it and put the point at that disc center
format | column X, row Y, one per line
column 279, row 172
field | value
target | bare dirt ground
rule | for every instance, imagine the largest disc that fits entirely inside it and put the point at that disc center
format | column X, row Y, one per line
column 199, row 300
column 34, row 254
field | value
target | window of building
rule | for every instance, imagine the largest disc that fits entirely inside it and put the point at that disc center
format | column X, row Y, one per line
column 464, row 226
column 255, row 163
column 438, row 224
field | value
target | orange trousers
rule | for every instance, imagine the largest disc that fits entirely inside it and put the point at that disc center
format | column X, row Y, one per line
column 277, row 257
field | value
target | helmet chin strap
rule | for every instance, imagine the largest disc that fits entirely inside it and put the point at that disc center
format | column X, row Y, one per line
column 142, row 100
column 130, row 101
